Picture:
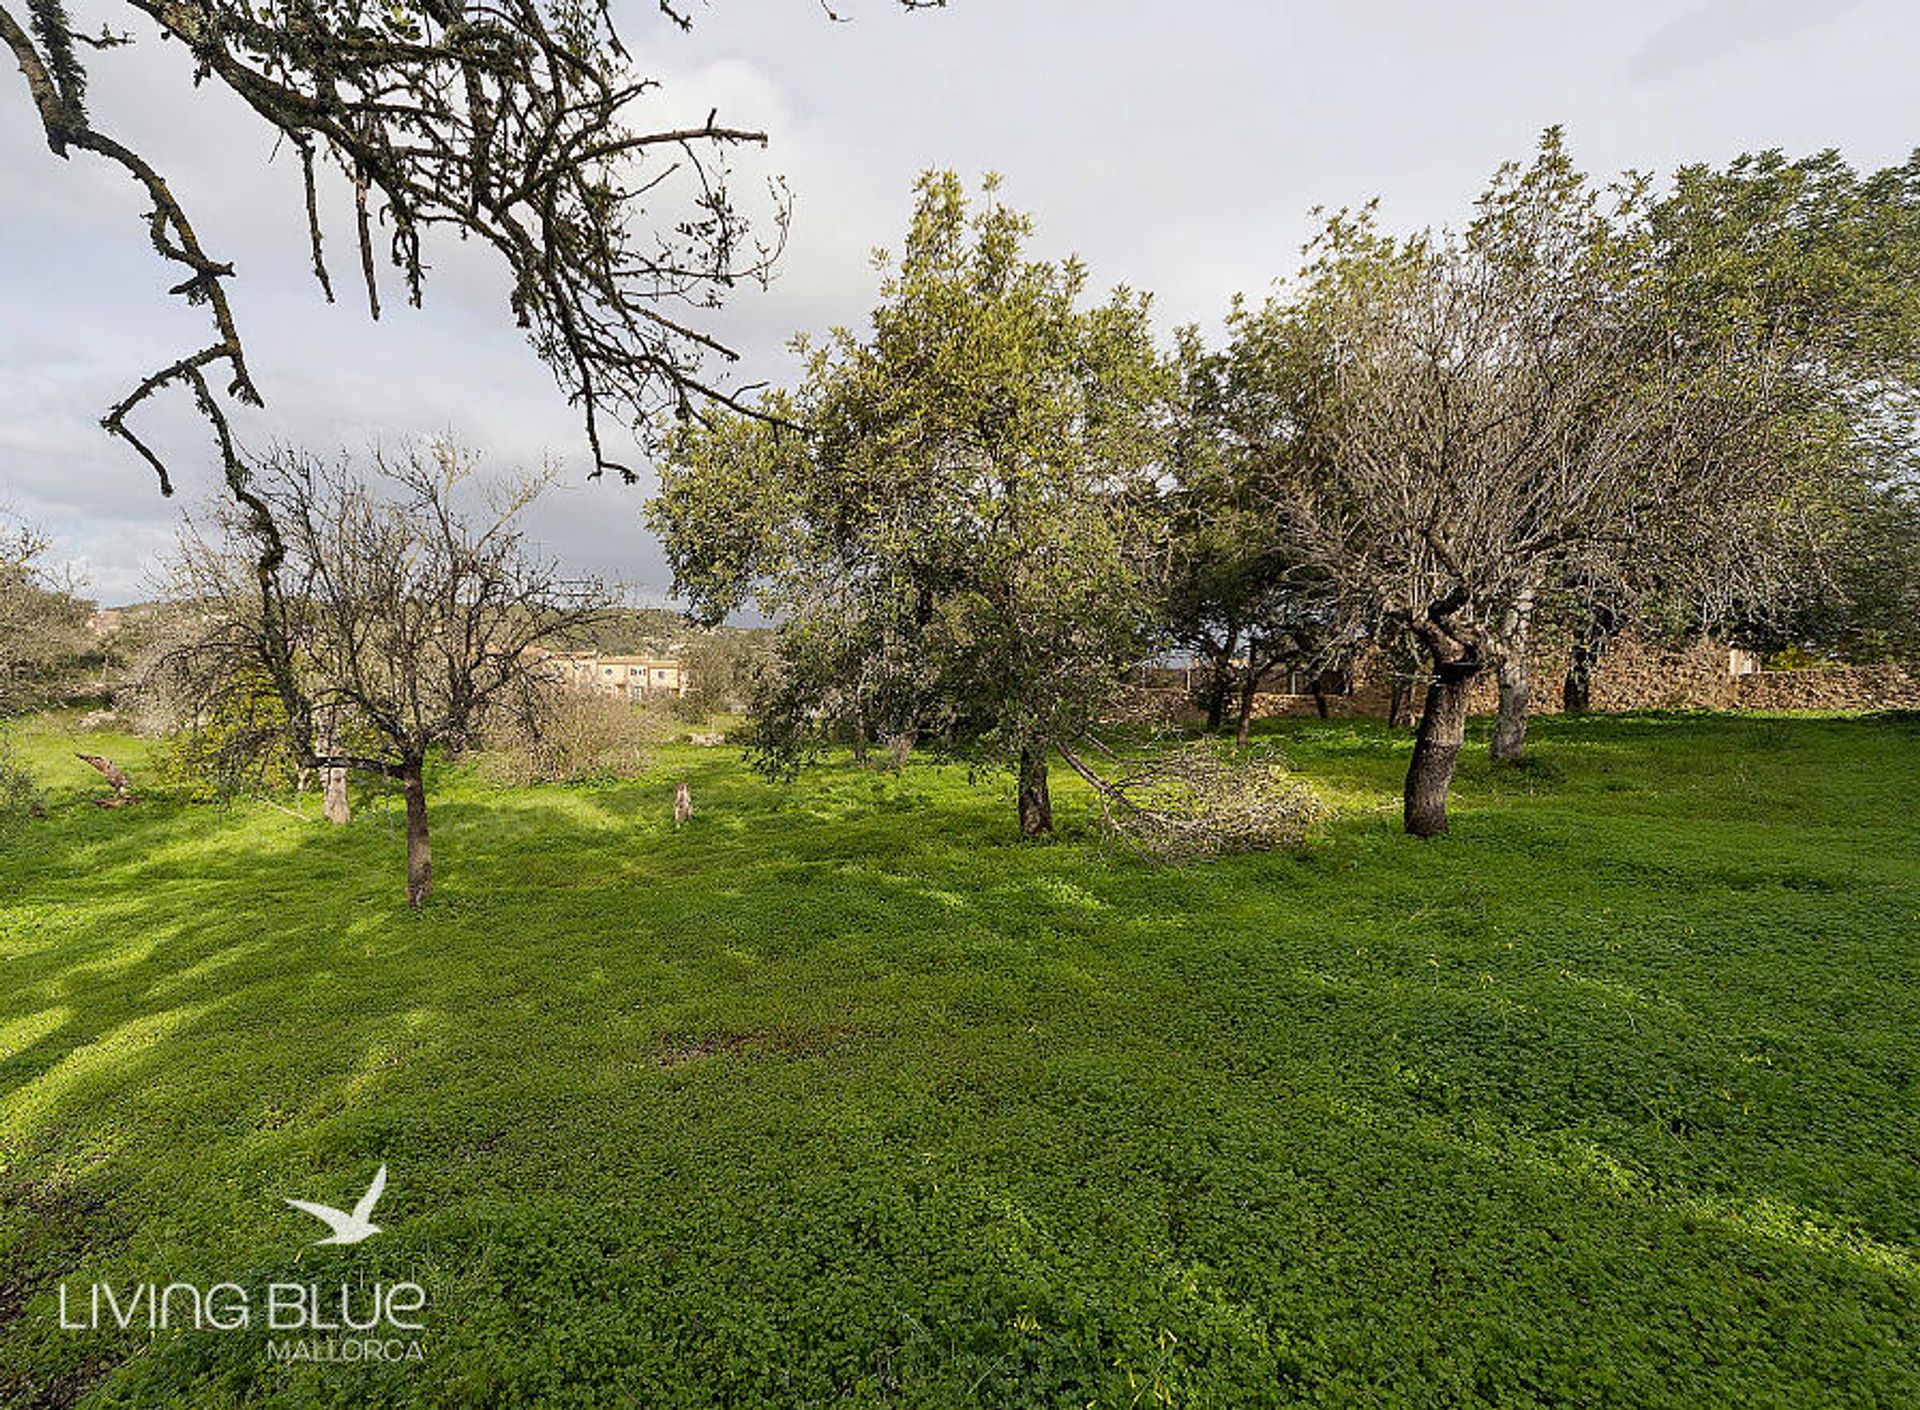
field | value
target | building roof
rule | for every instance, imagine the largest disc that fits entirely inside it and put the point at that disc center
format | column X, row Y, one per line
column 590, row 658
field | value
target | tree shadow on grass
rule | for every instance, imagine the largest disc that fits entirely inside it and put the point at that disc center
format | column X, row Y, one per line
column 1529, row 1116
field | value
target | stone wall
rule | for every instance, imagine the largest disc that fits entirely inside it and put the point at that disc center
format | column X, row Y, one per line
column 1635, row 674
column 1632, row 675
column 1830, row 688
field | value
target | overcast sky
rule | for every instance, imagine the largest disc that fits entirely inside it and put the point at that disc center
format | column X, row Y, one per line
column 1177, row 147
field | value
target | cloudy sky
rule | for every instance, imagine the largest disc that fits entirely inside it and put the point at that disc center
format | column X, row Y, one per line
column 1178, row 147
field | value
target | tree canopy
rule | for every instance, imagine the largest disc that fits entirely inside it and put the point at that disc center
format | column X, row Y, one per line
column 1470, row 425
column 957, row 544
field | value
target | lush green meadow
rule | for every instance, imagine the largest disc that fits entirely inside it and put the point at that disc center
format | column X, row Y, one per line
column 843, row 1094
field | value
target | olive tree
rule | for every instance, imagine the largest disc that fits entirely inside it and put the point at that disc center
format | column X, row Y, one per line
column 1230, row 591
column 413, row 621
column 955, row 544
column 1867, row 606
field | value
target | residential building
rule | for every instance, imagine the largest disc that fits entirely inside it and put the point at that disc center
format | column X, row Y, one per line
column 624, row 677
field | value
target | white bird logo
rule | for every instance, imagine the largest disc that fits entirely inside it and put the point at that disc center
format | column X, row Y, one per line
column 348, row 1228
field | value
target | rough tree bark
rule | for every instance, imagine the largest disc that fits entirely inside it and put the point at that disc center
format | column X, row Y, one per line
column 1036, row 804
column 1216, row 704
column 122, row 785
column 1399, row 693
column 333, row 785
column 1516, row 684
column 419, row 852
column 1436, row 749
column 1219, row 679
column 1243, row 718
column 1510, row 728
column 1576, row 695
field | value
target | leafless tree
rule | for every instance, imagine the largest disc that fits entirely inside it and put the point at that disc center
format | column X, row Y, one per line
column 401, row 620
column 512, row 124
column 1502, row 410
column 42, row 619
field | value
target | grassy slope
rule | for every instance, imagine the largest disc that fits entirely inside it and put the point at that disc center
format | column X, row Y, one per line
column 844, row 1094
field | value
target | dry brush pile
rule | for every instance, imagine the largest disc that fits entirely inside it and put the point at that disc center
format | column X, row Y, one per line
column 1194, row 801
column 573, row 738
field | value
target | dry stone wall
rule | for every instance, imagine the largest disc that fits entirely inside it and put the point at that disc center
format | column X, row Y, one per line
column 1635, row 674
column 1830, row 688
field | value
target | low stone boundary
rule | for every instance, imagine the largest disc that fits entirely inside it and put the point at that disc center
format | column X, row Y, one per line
column 1635, row 678
column 1884, row 687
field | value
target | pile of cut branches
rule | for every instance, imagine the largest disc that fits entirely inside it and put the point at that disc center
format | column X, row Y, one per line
column 1194, row 801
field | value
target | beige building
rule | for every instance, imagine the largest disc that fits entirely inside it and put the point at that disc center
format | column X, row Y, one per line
column 624, row 677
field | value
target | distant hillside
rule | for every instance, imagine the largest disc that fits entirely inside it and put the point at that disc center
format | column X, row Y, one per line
column 636, row 631
column 651, row 631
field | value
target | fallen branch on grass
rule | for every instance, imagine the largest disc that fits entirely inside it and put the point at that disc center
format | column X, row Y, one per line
column 122, row 785
column 1190, row 802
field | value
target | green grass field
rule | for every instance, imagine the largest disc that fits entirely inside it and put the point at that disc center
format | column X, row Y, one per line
column 844, row 1095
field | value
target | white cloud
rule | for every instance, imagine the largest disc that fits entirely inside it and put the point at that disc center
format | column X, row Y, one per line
column 1177, row 147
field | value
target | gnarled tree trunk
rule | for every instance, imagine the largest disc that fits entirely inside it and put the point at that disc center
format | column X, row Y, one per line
column 122, row 785
column 1219, row 680
column 1516, row 684
column 1436, row 749
column 1576, row 695
column 333, row 785
column 1243, row 718
column 1399, row 693
column 1510, row 729
column 1036, row 804
column 419, row 852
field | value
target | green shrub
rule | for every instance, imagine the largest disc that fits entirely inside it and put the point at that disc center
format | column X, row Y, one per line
column 20, row 795
column 238, row 749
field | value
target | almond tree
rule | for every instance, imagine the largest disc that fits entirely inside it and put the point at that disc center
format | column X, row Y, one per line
column 1495, row 413
column 43, row 622
column 412, row 623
